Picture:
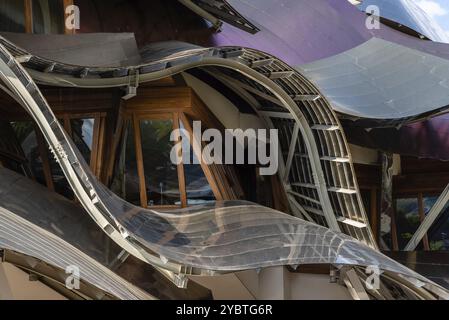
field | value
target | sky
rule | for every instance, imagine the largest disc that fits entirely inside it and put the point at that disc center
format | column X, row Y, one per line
column 438, row 9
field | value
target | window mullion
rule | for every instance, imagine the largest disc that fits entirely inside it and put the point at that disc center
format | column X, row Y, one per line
column 181, row 173
column 28, row 5
column 139, row 158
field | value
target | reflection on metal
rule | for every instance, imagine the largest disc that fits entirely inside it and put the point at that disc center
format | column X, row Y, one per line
column 211, row 10
column 382, row 81
column 354, row 285
column 70, row 224
column 408, row 13
column 203, row 13
column 386, row 197
column 193, row 240
column 49, row 253
column 431, row 217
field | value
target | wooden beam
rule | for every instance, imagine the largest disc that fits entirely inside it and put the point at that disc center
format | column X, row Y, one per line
column 206, row 169
column 165, row 99
column 394, row 231
column 422, row 216
column 116, row 138
column 95, row 146
column 139, row 159
column 28, row 7
column 180, row 167
column 374, row 214
column 67, row 125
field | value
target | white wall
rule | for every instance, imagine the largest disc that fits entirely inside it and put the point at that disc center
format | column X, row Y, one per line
column 275, row 283
column 15, row 285
column 223, row 109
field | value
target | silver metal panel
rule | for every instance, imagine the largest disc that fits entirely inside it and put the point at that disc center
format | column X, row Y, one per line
column 19, row 235
column 382, row 80
column 88, row 50
column 409, row 14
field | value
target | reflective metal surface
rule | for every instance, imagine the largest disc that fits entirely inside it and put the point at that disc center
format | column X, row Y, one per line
column 227, row 236
column 20, row 235
column 382, row 80
column 408, row 13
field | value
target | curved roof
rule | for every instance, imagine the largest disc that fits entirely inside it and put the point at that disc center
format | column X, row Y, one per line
column 409, row 14
column 382, row 80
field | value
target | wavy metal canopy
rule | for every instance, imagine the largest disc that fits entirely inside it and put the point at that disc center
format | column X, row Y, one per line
column 222, row 237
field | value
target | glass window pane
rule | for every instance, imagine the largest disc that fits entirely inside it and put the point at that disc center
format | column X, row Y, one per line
column 439, row 232
column 82, row 134
column 12, row 16
column 197, row 187
column 48, row 16
column 126, row 180
column 161, row 175
column 27, row 138
column 407, row 219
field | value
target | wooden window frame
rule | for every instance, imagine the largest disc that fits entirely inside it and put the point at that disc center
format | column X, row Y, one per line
column 181, row 105
column 97, row 143
column 98, row 134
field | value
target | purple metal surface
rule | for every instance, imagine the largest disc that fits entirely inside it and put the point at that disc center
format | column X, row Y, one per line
column 425, row 139
column 324, row 28
column 302, row 31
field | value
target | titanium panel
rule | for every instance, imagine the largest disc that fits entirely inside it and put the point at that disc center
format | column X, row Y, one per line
column 382, row 80
column 408, row 13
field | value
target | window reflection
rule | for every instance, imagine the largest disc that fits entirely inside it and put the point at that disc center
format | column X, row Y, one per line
column 161, row 175
column 12, row 18
column 439, row 232
column 197, row 187
column 26, row 136
column 126, row 179
column 407, row 219
column 48, row 16
column 82, row 134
